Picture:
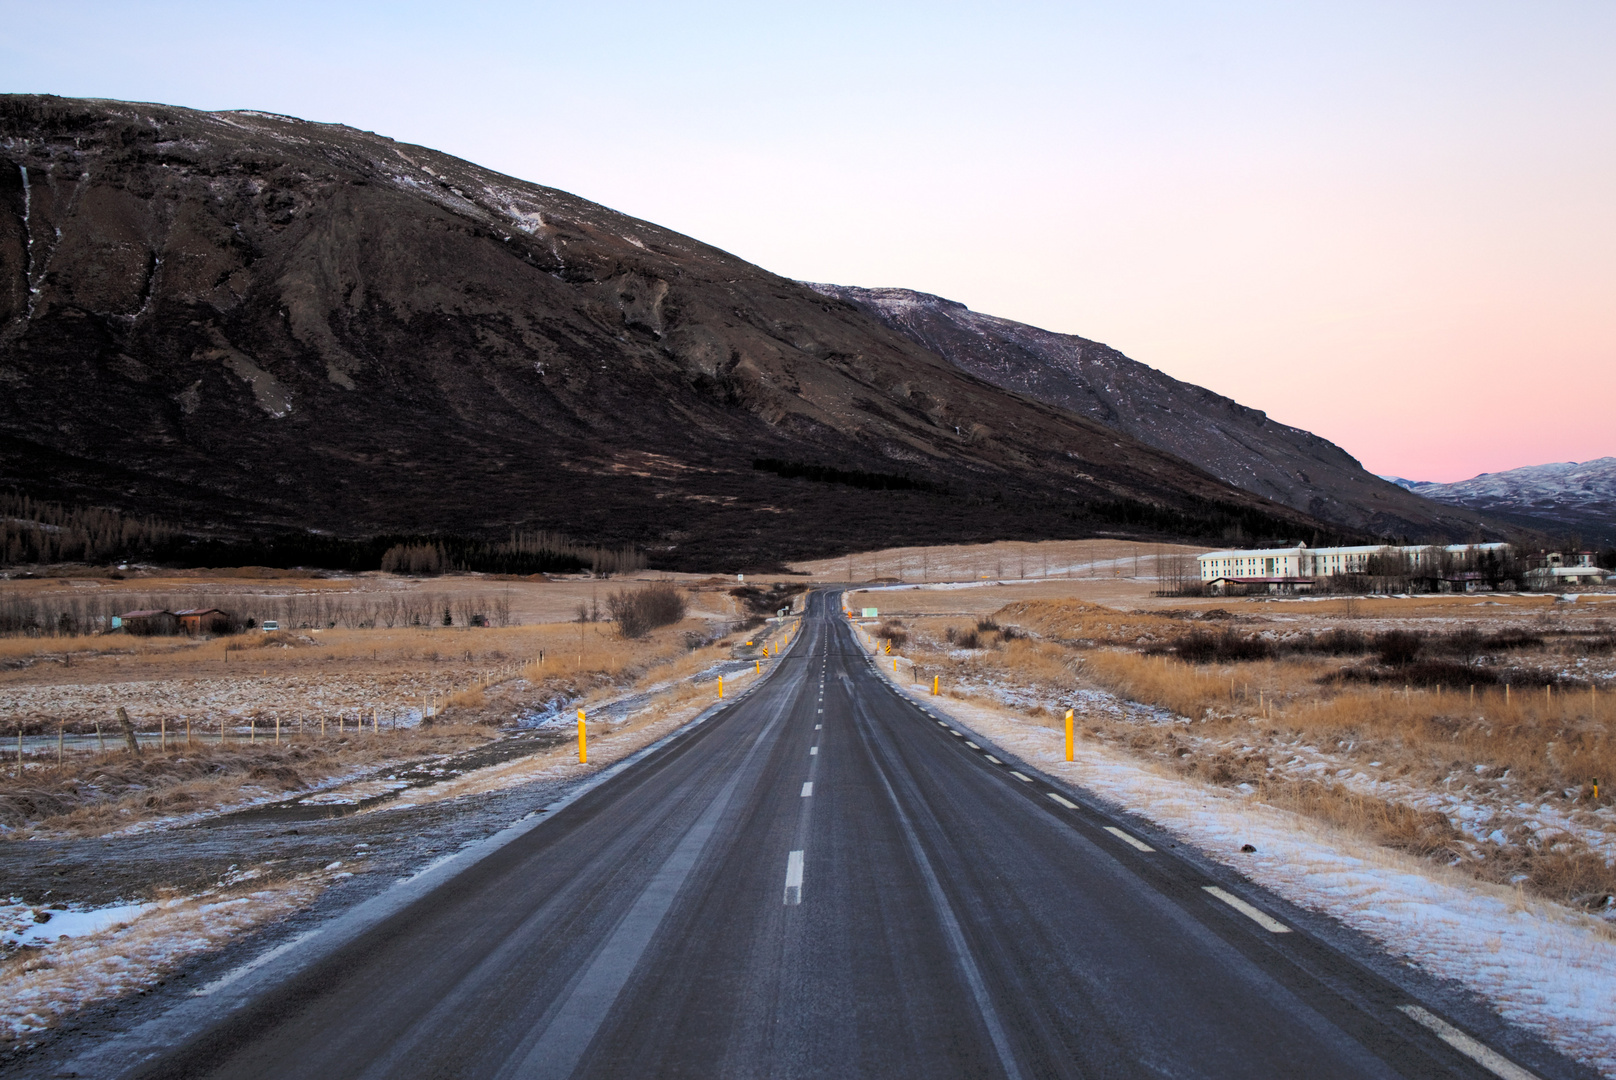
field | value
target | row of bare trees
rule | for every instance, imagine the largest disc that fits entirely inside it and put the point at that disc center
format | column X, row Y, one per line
column 52, row 616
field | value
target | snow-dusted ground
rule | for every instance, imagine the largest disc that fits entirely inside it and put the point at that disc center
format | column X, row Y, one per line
column 236, row 700
column 1484, row 806
column 88, row 955
column 1545, row 967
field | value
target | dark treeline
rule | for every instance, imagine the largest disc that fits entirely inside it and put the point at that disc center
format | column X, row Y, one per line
column 33, row 533
column 827, row 474
column 1201, row 519
column 523, row 553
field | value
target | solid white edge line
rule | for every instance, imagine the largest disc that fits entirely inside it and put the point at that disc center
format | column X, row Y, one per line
column 1261, row 918
column 794, row 878
column 1064, row 802
column 1132, row 841
column 1479, row 1052
column 1018, row 776
column 807, row 789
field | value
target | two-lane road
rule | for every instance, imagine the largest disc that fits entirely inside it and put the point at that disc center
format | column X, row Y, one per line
column 824, row 880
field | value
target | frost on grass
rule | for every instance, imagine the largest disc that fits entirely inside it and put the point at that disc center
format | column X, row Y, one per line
column 79, row 957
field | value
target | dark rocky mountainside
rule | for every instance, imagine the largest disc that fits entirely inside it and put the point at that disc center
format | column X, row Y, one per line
column 1558, row 498
column 1239, row 445
column 249, row 322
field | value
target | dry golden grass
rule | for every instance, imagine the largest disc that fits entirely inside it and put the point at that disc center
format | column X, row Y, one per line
column 96, row 793
column 1076, row 622
column 1502, row 747
column 1547, row 741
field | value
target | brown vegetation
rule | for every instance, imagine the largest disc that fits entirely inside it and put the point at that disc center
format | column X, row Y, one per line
column 1421, row 719
column 91, row 794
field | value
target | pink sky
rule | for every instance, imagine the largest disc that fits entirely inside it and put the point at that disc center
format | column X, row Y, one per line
column 1392, row 223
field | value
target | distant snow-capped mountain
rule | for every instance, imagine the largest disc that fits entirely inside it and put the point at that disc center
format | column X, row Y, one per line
column 1560, row 496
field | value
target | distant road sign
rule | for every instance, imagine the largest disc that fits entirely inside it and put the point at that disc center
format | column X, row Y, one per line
column 871, row 613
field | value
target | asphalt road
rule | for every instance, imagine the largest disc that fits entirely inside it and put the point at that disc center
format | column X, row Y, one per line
column 825, row 881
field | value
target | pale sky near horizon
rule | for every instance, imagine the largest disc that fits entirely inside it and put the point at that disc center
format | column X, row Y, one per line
column 1393, row 224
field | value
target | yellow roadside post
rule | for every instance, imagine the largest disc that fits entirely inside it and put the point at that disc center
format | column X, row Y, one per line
column 721, row 688
column 894, row 665
column 1068, row 734
column 757, row 666
column 934, row 679
column 583, row 740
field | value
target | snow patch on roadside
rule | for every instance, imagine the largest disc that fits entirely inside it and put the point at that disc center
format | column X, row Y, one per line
column 82, row 956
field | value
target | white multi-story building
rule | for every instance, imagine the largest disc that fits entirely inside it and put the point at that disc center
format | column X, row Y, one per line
column 1284, row 569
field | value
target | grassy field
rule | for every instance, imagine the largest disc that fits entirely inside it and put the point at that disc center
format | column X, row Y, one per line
column 250, row 715
column 1483, row 749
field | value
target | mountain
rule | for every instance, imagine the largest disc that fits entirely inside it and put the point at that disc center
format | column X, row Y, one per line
column 1239, row 445
column 249, row 323
column 1558, row 498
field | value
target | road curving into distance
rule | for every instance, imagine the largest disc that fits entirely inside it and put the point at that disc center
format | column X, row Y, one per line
column 824, row 879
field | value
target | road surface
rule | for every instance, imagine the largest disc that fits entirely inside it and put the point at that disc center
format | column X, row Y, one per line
column 823, row 880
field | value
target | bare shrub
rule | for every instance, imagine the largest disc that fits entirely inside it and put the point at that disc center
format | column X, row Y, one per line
column 640, row 611
column 1204, row 648
column 1397, row 647
column 1423, row 673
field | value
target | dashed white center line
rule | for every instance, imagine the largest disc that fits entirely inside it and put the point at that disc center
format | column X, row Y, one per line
column 1480, row 1053
column 818, row 726
column 821, row 710
column 1132, row 841
column 1261, row 918
column 794, row 878
column 972, row 745
column 813, row 750
column 1018, row 776
column 807, row 789
column 995, row 760
column 1064, row 802
column 959, row 734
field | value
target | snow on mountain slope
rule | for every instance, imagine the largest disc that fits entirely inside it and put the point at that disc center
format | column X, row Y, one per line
column 1566, row 494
